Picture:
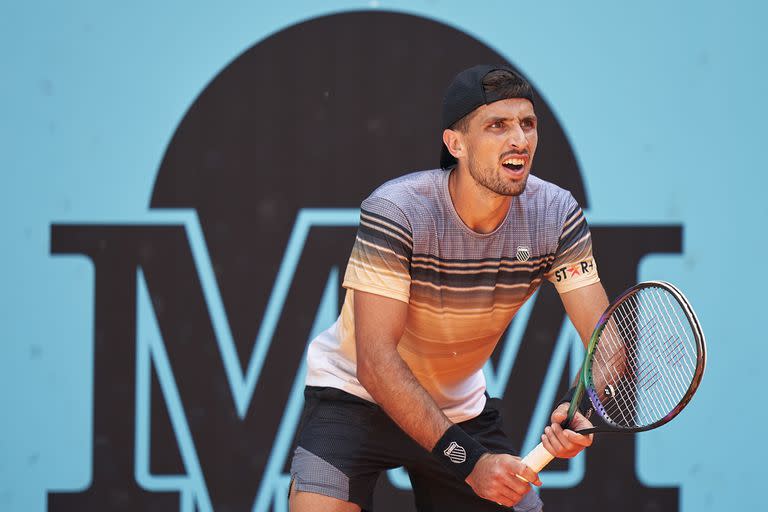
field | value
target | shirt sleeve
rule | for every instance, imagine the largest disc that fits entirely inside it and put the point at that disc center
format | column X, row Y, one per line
column 380, row 262
column 574, row 266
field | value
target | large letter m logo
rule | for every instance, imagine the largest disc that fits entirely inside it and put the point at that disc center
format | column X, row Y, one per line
column 181, row 423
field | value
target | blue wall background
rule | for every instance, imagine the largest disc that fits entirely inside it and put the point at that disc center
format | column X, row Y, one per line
column 664, row 104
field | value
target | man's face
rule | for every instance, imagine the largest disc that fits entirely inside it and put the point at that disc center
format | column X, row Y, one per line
column 500, row 142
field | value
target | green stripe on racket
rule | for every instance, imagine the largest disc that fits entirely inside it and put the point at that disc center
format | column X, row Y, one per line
column 644, row 362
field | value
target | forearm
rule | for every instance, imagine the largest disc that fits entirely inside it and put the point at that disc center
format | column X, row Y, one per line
column 584, row 307
column 393, row 386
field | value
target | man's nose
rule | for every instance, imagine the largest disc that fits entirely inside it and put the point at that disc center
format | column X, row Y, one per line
column 517, row 136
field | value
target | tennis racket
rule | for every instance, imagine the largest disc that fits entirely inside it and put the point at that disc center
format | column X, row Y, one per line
column 644, row 361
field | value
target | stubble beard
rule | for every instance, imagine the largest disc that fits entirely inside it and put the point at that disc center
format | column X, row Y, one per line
column 490, row 179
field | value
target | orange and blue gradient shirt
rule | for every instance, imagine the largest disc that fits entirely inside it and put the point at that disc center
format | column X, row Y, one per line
column 462, row 287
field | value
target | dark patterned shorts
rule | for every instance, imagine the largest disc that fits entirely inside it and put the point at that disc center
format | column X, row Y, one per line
column 346, row 442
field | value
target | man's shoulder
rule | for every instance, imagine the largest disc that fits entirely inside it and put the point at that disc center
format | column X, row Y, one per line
column 412, row 193
column 546, row 193
column 419, row 182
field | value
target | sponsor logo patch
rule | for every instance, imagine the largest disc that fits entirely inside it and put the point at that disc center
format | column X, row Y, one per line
column 578, row 270
column 523, row 253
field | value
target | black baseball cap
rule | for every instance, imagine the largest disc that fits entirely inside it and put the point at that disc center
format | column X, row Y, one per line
column 465, row 93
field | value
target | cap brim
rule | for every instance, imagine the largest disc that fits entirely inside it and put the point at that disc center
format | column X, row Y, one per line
column 446, row 158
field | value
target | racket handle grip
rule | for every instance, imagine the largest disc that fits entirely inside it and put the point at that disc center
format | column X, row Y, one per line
column 538, row 458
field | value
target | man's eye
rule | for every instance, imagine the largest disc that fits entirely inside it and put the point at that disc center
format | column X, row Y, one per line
column 527, row 123
column 497, row 124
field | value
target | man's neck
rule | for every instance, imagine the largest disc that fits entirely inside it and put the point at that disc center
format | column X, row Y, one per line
column 480, row 209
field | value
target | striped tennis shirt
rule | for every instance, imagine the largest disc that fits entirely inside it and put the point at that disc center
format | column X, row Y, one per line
column 462, row 287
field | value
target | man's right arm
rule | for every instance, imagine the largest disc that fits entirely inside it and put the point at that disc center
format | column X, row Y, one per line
column 379, row 325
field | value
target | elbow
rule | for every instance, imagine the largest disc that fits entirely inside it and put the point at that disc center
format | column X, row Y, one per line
column 374, row 362
column 365, row 373
column 369, row 369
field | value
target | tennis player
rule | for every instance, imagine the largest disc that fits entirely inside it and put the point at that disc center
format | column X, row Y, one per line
column 442, row 261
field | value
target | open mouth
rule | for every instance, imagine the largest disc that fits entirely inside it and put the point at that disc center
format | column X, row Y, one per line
column 514, row 164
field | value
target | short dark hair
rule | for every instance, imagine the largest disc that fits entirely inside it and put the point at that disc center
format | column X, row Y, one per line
column 498, row 85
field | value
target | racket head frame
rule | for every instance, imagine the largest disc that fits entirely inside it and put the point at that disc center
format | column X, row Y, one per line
column 585, row 375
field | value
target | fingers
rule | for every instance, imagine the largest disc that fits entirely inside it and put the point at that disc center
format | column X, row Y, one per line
column 507, row 498
column 497, row 477
column 518, row 481
column 552, row 443
column 564, row 443
column 558, row 417
column 560, row 413
column 527, row 474
column 579, row 422
column 517, row 476
column 578, row 439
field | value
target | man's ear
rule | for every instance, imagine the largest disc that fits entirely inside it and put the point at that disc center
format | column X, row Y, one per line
column 454, row 142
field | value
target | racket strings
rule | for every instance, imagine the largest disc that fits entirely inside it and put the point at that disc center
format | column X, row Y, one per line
column 651, row 373
column 641, row 374
column 644, row 360
column 621, row 401
column 675, row 341
column 612, row 333
column 644, row 375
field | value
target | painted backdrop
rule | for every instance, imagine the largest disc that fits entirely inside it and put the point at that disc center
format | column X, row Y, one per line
column 180, row 190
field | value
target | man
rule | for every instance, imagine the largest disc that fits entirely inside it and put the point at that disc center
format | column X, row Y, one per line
column 442, row 261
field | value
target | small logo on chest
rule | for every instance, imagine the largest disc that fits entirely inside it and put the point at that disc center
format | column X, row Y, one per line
column 523, row 253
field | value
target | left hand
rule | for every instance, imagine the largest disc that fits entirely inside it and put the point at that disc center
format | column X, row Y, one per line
column 565, row 443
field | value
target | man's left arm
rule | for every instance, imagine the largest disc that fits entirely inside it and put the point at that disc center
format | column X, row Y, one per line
column 584, row 306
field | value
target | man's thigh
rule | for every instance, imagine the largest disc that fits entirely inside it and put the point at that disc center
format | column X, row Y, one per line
column 312, row 502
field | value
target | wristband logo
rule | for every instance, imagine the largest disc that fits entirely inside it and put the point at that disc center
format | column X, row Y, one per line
column 456, row 453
